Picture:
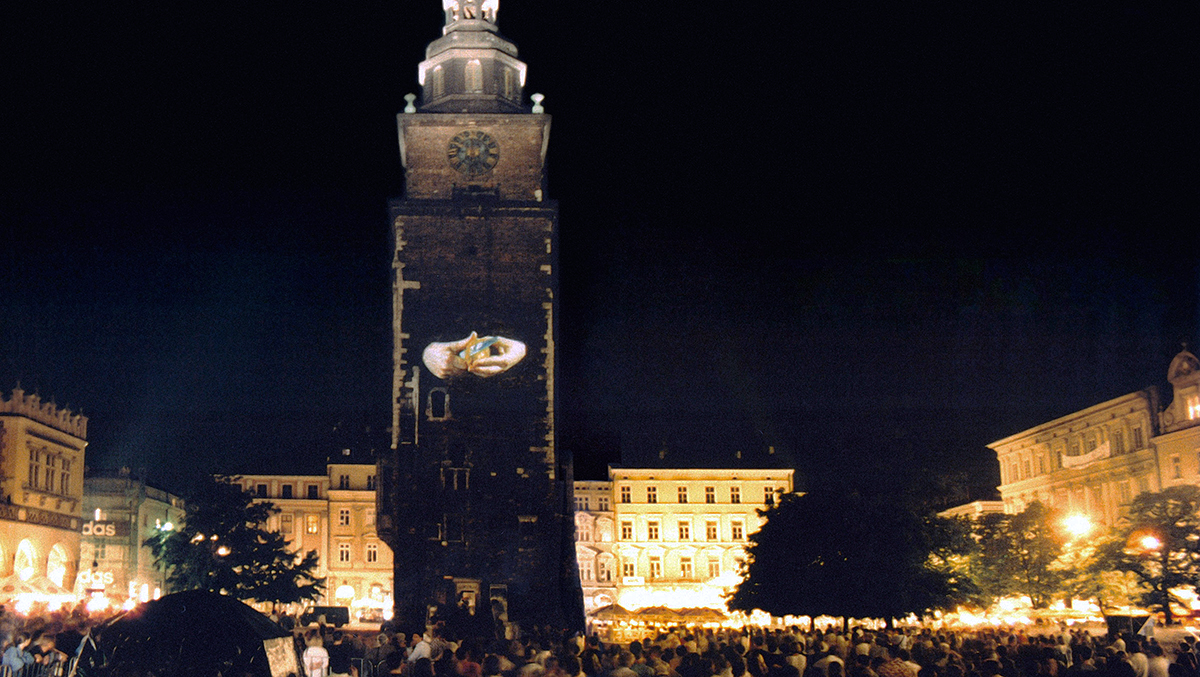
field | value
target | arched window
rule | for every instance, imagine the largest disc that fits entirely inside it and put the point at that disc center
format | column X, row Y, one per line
column 439, row 404
column 473, row 76
column 56, row 565
column 510, row 83
column 26, row 559
column 437, row 84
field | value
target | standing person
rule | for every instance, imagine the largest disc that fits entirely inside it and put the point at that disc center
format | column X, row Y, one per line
column 339, row 656
column 16, row 654
column 315, row 658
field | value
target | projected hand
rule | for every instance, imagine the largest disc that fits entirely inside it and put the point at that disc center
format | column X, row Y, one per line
column 442, row 358
column 484, row 356
column 505, row 353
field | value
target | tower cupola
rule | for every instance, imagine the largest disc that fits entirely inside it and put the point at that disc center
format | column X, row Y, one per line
column 471, row 68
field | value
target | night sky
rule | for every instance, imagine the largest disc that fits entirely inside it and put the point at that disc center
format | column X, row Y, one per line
column 850, row 233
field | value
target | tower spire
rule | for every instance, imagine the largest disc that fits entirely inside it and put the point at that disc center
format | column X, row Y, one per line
column 471, row 68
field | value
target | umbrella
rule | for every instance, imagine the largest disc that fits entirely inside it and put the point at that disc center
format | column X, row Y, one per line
column 39, row 587
column 612, row 612
column 189, row 634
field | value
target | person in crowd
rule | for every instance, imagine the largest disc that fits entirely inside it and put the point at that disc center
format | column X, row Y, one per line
column 315, row 658
column 16, row 654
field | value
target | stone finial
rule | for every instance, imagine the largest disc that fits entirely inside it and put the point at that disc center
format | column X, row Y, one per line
column 537, row 102
column 410, row 107
column 470, row 10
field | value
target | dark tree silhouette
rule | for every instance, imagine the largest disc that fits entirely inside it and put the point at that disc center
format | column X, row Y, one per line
column 854, row 555
column 224, row 546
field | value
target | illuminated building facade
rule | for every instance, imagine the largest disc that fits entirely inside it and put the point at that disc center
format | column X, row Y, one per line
column 334, row 514
column 474, row 494
column 41, row 489
column 669, row 537
column 1093, row 462
column 120, row 512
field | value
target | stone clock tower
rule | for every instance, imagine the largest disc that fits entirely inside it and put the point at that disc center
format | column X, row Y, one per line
column 474, row 499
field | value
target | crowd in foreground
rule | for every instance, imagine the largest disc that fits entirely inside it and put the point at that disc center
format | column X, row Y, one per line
column 915, row 652
column 44, row 646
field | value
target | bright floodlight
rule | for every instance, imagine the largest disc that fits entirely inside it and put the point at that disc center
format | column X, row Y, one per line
column 1077, row 525
column 1151, row 542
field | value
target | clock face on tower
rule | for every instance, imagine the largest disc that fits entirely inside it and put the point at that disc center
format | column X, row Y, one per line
column 473, row 153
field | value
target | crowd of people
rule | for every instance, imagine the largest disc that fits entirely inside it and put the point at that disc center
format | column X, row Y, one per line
column 40, row 645
column 913, row 652
column 43, row 646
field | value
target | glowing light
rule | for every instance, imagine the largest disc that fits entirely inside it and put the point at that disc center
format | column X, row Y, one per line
column 223, row 550
column 1150, row 542
column 168, row 527
column 344, row 592
column 129, row 604
column 197, row 538
column 1077, row 525
column 97, row 603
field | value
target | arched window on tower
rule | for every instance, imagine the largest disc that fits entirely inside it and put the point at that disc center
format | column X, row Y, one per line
column 438, row 408
column 510, row 84
column 437, row 84
column 473, row 76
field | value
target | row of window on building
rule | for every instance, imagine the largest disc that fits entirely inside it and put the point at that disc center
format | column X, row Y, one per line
column 312, row 491
column 681, row 496
column 683, row 531
column 49, row 471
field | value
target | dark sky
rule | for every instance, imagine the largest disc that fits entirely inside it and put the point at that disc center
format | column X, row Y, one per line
column 850, row 233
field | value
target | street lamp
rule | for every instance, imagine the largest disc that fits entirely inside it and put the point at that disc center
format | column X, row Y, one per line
column 1077, row 525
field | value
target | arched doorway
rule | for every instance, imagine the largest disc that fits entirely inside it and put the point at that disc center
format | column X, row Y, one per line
column 25, row 565
column 56, row 564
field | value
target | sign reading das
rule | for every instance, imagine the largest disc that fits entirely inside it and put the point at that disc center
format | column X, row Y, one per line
column 106, row 529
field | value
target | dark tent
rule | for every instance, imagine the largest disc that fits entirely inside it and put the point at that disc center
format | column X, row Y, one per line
column 189, row 634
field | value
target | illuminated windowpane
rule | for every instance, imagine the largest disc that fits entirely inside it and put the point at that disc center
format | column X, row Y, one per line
column 628, row 569
column 312, row 524
column 710, row 531
column 685, row 567
column 714, row 567
column 655, row 567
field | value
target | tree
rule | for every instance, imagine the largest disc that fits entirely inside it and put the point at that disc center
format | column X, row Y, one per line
column 1160, row 545
column 1017, row 555
column 224, row 546
column 854, row 555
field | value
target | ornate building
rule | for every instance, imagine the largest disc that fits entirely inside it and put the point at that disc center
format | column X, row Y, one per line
column 121, row 512
column 668, row 537
column 41, row 489
column 334, row 514
column 1093, row 462
column 475, row 495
